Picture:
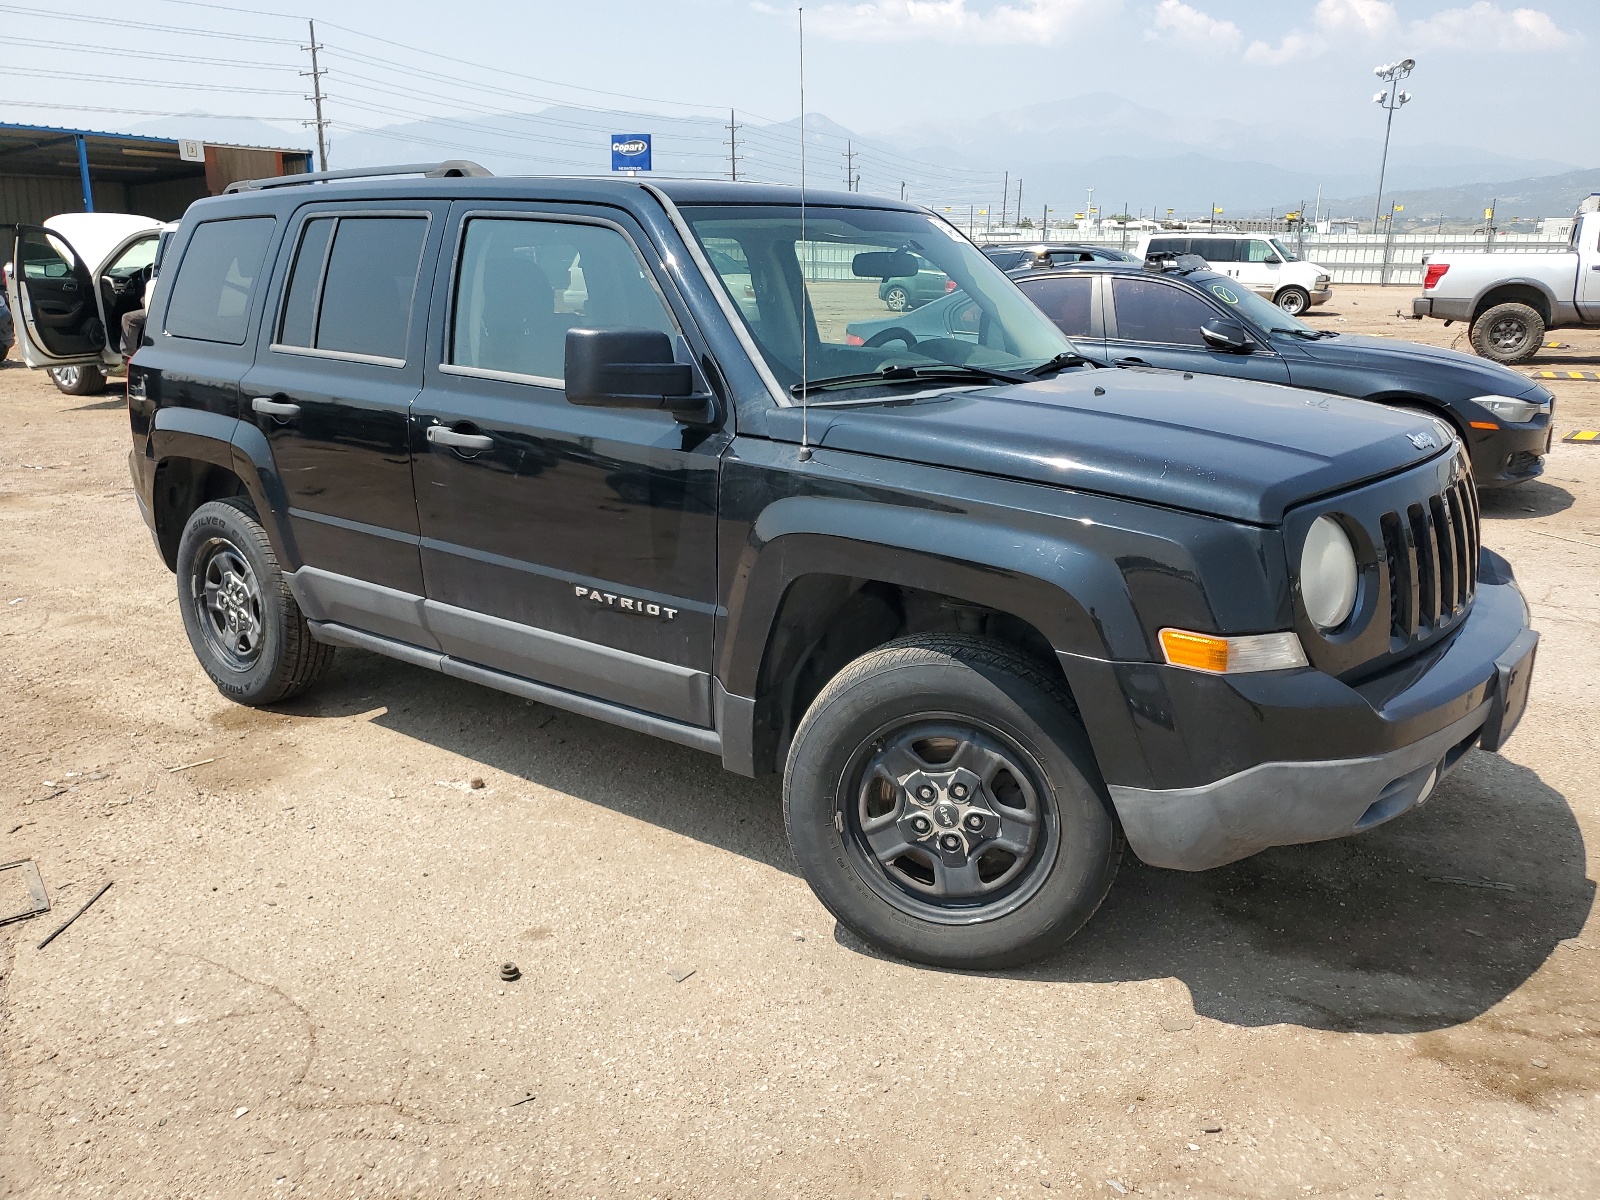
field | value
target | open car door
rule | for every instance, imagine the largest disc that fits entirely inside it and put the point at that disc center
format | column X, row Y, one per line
column 54, row 301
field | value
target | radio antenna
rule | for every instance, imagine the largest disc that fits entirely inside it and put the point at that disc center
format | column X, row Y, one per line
column 805, row 441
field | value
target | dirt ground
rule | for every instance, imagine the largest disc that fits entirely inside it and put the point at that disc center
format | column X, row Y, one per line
column 292, row 986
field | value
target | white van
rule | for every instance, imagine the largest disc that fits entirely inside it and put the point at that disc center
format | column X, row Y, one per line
column 1262, row 262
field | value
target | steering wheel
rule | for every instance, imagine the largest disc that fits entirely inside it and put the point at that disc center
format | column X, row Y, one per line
column 895, row 333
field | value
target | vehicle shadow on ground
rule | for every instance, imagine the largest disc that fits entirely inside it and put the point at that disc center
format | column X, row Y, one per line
column 118, row 401
column 1423, row 923
column 1535, row 498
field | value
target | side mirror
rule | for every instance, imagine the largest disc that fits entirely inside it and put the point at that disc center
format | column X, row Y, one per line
column 884, row 264
column 628, row 368
column 1274, row 261
column 1225, row 335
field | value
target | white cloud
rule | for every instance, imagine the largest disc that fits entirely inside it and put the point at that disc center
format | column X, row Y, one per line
column 1178, row 21
column 1023, row 21
column 1487, row 26
column 1482, row 25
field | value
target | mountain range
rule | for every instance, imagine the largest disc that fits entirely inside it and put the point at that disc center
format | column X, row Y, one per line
column 1134, row 157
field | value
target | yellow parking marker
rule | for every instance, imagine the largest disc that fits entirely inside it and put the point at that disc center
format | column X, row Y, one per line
column 1583, row 435
column 1556, row 346
column 1565, row 375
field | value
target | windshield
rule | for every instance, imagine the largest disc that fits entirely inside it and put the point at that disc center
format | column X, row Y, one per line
column 1262, row 313
column 884, row 290
column 1287, row 254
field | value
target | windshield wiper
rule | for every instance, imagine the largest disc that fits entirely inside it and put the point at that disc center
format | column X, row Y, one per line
column 1062, row 361
column 899, row 373
column 1311, row 334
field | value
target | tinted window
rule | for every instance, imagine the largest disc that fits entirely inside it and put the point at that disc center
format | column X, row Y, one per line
column 1149, row 311
column 371, row 277
column 217, row 279
column 1168, row 245
column 1064, row 301
column 1006, row 260
column 300, row 308
column 42, row 257
column 523, row 284
column 1217, row 250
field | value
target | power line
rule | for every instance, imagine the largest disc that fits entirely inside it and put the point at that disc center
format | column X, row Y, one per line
column 145, row 26
column 156, row 83
column 145, row 112
column 237, row 64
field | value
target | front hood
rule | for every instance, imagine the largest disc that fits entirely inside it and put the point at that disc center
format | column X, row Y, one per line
column 1231, row 448
column 1471, row 375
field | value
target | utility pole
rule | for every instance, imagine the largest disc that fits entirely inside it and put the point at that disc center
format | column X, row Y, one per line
column 1019, row 199
column 316, row 73
column 733, row 148
column 1005, row 193
column 852, row 179
column 902, row 189
column 1391, row 98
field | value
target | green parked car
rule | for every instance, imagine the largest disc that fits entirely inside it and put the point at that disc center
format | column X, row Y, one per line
column 903, row 293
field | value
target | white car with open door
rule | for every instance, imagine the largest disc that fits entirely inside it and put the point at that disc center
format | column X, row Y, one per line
column 70, row 282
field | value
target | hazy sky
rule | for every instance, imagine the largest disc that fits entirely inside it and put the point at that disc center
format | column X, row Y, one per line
column 1509, row 79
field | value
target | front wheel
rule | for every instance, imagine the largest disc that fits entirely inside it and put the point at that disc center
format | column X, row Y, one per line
column 243, row 623
column 942, row 801
column 1508, row 333
column 1293, row 300
column 86, row 380
column 898, row 299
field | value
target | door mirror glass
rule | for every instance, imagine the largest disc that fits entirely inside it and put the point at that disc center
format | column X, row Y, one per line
column 1225, row 335
column 627, row 368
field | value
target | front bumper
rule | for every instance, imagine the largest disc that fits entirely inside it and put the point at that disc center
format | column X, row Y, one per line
column 1510, row 454
column 1287, row 757
column 1322, row 296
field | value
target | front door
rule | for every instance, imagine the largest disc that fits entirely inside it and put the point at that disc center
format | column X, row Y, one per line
column 1156, row 323
column 572, row 546
column 53, row 301
column 338, row 366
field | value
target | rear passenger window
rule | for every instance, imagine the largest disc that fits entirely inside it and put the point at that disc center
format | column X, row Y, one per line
column 352, row 285
column 523, row 283
column 216, row 280
column 1064, row 301
column 1167, row 245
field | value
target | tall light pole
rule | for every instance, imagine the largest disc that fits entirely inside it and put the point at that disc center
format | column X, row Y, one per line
column 1391, row 98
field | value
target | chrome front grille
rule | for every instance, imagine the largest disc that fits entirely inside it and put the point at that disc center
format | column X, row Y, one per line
column 1431, row 555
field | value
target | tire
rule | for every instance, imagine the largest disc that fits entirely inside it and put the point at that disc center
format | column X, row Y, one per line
column 1293, row 300
column 85, row 380
column 912, row 717
column 243, row 623
column 1508, row 333
column 898, row 299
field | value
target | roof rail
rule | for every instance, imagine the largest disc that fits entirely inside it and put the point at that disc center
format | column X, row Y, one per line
column 455, row 168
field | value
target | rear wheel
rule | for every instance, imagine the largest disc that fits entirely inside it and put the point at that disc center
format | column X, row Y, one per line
column 242, row 621
column 1508, row 333
column 1293, row 300
column 942, row 801
column 898, row 299
column 84, row 380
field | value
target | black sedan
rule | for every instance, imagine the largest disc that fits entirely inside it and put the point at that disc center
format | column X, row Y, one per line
column 1181, row 315
column 1041, row 255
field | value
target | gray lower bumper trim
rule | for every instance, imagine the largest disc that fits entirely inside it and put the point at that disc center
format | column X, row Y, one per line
column 1287, row 803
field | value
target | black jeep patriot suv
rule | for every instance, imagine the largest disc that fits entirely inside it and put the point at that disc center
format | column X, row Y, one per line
column 992, row 610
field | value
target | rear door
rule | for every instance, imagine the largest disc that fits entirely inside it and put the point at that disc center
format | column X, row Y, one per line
column 53, row 301
column 338, row 365
column 1156, row 323
column 1069, row 301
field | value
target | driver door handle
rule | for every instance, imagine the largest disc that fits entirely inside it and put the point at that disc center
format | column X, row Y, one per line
column 441, row 436
column 269, row 407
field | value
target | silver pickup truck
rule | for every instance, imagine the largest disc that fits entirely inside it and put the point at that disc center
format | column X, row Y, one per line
column 1512, row 299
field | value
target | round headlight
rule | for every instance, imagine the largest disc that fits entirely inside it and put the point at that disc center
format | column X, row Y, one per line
column 1328, row 574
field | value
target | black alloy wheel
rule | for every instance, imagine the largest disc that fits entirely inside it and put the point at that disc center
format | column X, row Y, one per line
column 943, row 802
